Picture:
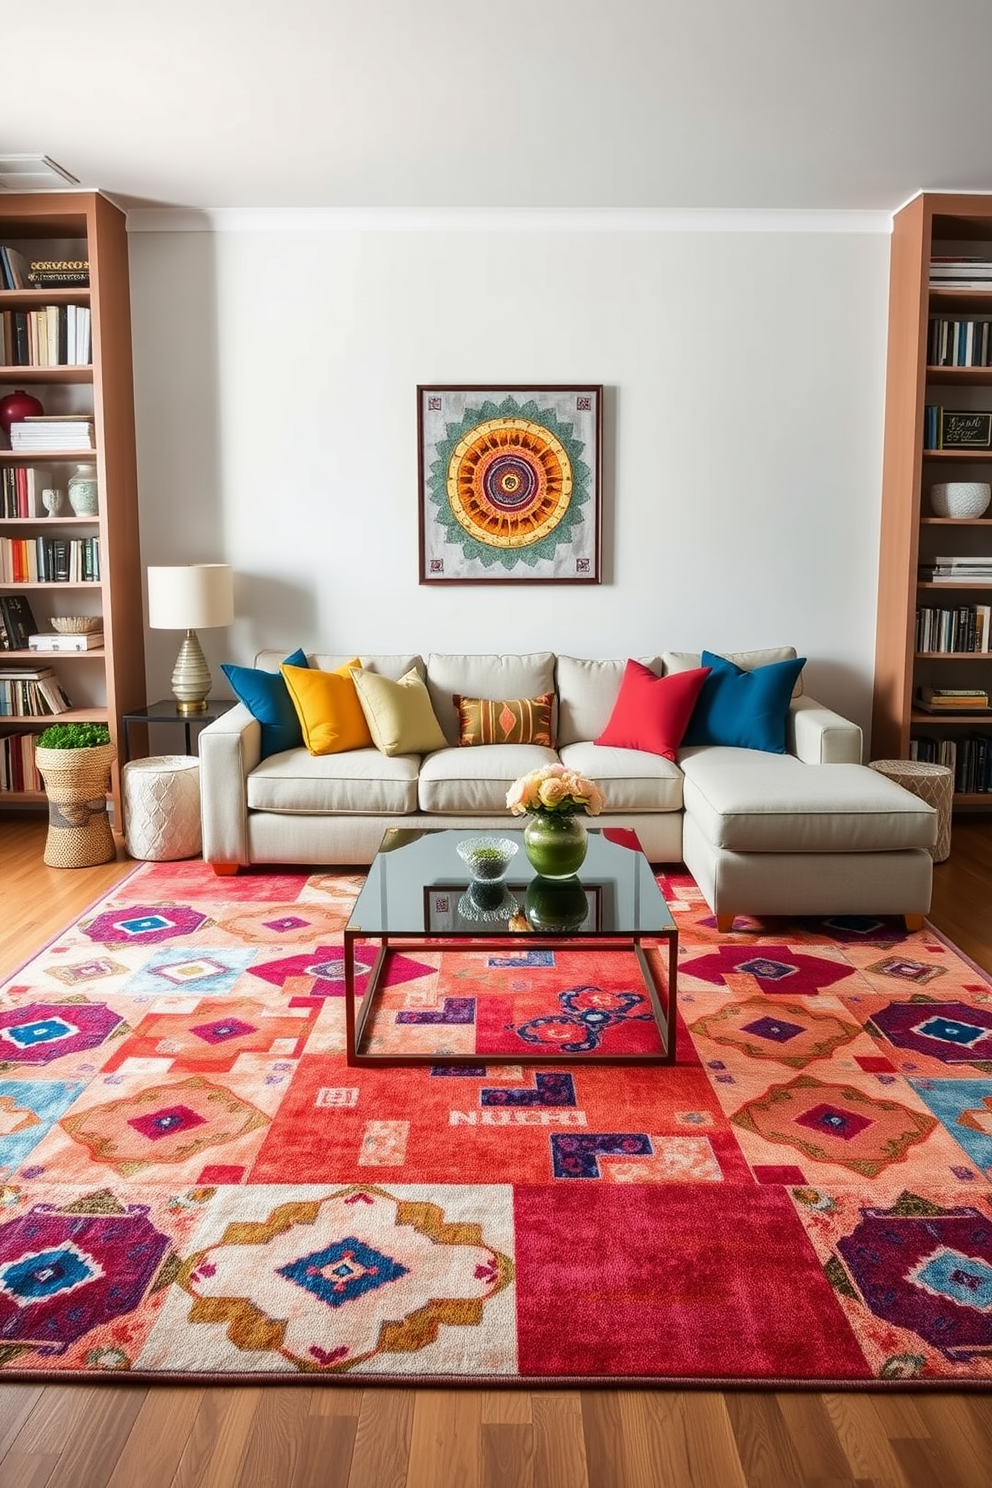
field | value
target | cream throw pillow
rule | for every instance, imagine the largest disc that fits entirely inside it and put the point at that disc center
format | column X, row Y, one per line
column 399, row 714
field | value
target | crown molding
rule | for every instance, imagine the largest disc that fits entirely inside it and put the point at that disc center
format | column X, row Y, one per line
column 490, row 220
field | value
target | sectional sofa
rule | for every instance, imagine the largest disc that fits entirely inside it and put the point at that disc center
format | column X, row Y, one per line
column 808, row 831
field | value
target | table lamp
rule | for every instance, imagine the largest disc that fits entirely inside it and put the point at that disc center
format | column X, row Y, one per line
column 196, row 596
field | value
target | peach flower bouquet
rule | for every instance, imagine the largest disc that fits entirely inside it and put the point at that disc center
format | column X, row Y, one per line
column 555, row 790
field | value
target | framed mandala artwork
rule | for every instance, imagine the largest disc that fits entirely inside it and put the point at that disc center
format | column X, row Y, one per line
column 510, row 484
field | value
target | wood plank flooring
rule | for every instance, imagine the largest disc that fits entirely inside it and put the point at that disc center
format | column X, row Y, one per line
column 298, row 1436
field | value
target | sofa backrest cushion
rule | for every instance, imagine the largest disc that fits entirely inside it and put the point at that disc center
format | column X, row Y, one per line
column 587, row 692
column 386, row 665
column 684, row 661
column 485, row 676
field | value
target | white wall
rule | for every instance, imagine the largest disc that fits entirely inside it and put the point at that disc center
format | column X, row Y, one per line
column 276, row 375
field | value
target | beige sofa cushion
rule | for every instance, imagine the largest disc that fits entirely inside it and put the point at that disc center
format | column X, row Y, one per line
column 387, row 665
column 587, row 691
column 686, row 661
column 475, row 780
column 630, row 779
column 745, row 800
column 360, row 782
column 485, row 676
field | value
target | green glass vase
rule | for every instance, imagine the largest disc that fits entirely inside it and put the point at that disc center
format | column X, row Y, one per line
column 555, row 904
column 555, row 843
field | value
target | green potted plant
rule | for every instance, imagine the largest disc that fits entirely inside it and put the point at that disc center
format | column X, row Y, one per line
column 74, row 760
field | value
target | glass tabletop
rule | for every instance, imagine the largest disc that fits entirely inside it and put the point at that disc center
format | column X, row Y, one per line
column 418, row 885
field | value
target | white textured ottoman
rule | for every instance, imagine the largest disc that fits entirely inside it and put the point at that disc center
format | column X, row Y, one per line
column 162, row 807
column 932, row 783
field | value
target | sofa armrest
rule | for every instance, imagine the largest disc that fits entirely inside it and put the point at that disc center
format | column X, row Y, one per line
column 819, row 736
column 229, row 750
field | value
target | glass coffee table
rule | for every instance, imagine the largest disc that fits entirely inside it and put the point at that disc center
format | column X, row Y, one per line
column 419, row 894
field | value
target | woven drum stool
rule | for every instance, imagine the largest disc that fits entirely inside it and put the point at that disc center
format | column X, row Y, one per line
column 933, row 784
column 162, row 807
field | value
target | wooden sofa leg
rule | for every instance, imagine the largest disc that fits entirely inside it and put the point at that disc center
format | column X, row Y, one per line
column 225, row 870
column 725, row 923
column 913, row 921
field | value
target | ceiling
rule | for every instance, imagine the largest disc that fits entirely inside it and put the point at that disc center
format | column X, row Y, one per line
column 452, row 104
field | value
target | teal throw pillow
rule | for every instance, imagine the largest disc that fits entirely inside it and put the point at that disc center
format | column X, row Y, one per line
column 745, row 709
column 267, row 698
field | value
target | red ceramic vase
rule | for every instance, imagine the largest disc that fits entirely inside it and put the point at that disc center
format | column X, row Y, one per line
column 16, row 406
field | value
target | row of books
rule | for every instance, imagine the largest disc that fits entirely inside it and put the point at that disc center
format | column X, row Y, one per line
column 957, row 570
column 959, row 343
column 51, row 336
column 956, row 428
column 952, row 699
column 31, row 692
column 19, row 272
column 20, row 490
column 970, row 759
column 960, row 271
column 49, row 560
column 40, row 432
column 965, row 628
column 18, row 771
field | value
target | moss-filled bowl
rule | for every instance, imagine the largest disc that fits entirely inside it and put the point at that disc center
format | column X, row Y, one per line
column 488, row 859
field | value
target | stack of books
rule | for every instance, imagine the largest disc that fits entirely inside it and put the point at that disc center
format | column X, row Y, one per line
column 961, row 569
column 960, row 271
column 59, row 273
column 31, row 692
column 43, row 431
column 953, row 699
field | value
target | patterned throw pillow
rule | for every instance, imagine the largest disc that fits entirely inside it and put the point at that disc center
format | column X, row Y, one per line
column 505, row 720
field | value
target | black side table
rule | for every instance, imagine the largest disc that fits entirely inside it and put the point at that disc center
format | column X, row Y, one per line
column 165, row 712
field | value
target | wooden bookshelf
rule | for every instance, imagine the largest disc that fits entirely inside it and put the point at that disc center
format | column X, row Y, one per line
column 911, row 534
column 104, row 683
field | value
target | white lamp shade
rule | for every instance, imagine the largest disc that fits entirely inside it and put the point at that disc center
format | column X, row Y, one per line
column 194, row 597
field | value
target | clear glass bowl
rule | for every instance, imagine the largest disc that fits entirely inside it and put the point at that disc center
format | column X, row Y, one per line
column 488, row 859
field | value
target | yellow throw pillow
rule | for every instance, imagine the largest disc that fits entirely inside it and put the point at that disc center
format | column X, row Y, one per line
column 328, row 708
column 399, row 714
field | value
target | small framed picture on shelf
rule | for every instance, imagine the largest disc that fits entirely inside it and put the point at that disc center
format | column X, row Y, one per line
column 962, row 429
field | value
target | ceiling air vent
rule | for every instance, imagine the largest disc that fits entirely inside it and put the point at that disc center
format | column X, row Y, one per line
column 33, row 173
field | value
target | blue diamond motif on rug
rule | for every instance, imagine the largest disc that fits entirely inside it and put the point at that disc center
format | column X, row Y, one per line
column 343, row 1271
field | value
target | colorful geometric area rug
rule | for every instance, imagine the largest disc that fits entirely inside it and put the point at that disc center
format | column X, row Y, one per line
column 195, row 1185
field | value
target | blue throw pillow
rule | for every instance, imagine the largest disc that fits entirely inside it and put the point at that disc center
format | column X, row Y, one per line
column 745, row 709
column 267, row 698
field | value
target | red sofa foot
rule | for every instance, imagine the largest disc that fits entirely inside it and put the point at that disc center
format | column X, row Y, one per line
column 225, row 870
column 725, row 923
column 914, row 922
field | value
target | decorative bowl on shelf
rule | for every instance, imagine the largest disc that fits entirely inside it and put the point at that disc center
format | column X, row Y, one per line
column 487, row 858
column 960, row 498
column 76, row 624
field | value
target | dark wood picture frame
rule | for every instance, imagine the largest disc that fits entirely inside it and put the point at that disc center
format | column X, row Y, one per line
column 510, row 483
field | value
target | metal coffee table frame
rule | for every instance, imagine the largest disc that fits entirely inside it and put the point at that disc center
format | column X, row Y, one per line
column 388, row 940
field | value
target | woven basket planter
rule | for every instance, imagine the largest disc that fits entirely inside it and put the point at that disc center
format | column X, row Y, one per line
column 76, row 782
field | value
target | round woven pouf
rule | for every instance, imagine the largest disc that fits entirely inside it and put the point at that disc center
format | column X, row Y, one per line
column 933, row 784
column 162, row 807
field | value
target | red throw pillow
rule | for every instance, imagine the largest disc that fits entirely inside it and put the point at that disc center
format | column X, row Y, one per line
column 652, row 713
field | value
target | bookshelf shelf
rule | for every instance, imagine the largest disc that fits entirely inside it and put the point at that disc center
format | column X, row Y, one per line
column 81, row 225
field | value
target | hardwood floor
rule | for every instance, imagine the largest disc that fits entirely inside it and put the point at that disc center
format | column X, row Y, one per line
column 298, row 1436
